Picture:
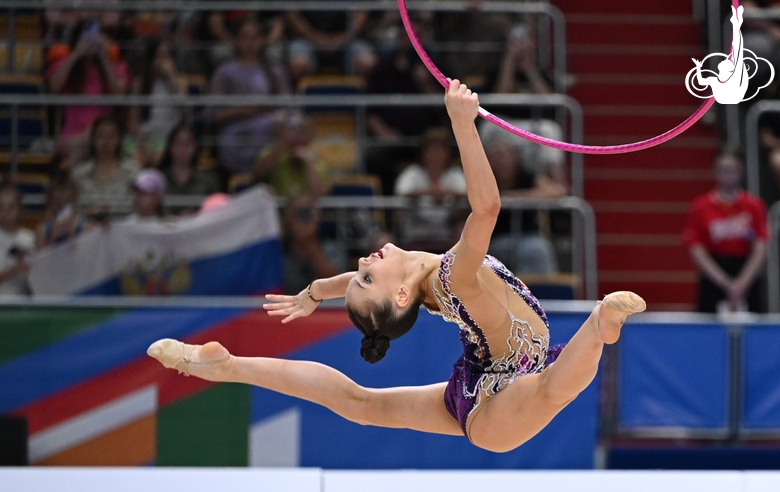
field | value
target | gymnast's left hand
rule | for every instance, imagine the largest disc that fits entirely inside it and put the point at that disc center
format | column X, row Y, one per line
column 297, row 306
column 462, row 104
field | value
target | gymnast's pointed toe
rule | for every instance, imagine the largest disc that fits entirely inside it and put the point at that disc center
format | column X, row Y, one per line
column 207, row 361
column 169, row 352
column 614, row 310
column 625, row 302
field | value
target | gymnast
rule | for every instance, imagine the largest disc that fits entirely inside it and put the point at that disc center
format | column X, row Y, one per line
column 505, row 387
column 731, row 84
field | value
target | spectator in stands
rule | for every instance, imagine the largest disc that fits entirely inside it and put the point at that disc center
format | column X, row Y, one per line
column 245, row 130
column 325, row 40
column 149, row 126
column 526, row 251
column 90, row 66
column 400, row 72
column 62, row 219
column 726, row 234
column 290, row 166
column 436, row 182
column 216, row 30
column 520, row 73
column 179, row 164
column 148, row 191
column 104, row 178
column 306, row 257
column 470, row 31
column 15, row 243
column 519, row 70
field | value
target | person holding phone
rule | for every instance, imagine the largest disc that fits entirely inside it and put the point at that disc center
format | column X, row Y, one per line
column 15, row 243
column 91, row 65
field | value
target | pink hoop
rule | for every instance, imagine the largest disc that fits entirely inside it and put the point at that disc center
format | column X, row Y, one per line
column 582, row 149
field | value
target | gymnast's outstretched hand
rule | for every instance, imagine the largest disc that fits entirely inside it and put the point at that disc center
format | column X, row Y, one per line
column 297, row 306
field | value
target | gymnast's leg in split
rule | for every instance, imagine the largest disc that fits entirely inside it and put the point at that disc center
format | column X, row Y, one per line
column 509, row 419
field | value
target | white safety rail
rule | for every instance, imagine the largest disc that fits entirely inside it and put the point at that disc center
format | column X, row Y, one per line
column 316, row 480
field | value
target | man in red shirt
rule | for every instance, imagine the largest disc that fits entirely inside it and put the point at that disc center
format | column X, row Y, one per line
column 726, row 234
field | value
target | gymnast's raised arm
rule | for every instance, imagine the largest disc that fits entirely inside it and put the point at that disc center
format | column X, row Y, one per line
column 481, row 189
column 306, row 301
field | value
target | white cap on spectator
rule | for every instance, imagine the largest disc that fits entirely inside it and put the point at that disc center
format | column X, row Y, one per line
column 150, row 181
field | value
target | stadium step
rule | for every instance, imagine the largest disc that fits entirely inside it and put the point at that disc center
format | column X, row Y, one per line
column 650, row 60
column 631, row 29
column 657, row 7
column 658, row 159
column 628, row 120
column 623, row 90
column 644, row 257
column 628, row 62
column 660, row 222
column 646, row 190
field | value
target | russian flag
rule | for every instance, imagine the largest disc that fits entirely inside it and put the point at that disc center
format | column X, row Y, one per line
column 232, row 250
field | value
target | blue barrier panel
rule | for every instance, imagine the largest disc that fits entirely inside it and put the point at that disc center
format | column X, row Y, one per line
column 673, row 375
column 761, row 356
column 423, row 356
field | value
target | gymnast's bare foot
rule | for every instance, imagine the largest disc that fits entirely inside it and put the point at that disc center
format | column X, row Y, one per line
column 209, row 361
column 613, row 311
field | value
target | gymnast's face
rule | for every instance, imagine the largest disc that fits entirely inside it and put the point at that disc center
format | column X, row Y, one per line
column 378, row 278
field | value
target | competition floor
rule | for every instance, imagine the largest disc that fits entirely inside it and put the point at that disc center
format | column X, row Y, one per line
column 34, row 479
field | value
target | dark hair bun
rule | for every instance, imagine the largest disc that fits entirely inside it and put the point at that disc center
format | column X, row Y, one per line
column 373, row 349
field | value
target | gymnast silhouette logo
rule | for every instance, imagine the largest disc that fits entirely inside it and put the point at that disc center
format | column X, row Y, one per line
column 730, row 84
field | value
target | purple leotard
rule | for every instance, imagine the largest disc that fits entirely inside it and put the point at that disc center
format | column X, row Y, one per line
column 477, row 375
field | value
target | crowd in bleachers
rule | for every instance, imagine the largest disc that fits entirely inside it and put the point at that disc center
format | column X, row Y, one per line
column 93, row 160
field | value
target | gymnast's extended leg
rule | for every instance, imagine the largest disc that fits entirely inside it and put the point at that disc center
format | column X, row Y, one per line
column 578, row 363
column 419, row 407
column 534, row 400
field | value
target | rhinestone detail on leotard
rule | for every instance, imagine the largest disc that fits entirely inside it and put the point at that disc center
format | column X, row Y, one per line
column 480, row 375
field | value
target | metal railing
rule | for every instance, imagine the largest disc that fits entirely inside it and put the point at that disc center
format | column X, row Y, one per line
column 583, row 234
column 752, row 142
column 583, row 238
column 359, row 102
column 773, row 260
column 543, row 9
